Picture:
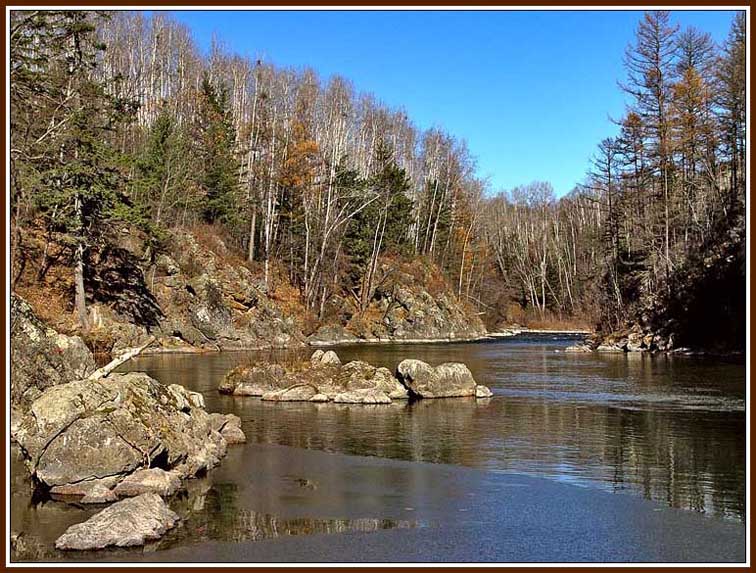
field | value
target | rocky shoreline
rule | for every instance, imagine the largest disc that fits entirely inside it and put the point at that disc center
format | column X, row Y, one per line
column 129, row 443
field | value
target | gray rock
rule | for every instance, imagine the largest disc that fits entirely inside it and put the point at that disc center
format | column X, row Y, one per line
column 253, row 380
column 126, row 523
column 229, row 426
column 152, row 480
column 296, row 393
column 86, row 430
column 482, row 391
column 41, row 358
column 451, row 379
column 99, row 494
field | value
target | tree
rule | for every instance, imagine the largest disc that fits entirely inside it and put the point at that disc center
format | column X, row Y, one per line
column 220, row 167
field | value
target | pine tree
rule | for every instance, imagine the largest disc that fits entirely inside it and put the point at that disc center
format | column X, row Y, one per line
column 220, row 167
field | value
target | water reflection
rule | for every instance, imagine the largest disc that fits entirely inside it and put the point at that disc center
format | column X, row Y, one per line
column 669, row 428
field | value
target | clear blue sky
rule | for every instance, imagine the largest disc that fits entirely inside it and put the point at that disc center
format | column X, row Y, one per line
column 531, row 92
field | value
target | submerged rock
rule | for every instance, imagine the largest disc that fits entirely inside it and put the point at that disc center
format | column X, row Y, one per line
column 126, row 523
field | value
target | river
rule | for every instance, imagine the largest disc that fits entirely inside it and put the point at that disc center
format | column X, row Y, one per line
column 651, row 447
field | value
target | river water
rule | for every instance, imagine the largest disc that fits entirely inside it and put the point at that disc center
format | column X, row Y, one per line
column 665, row 431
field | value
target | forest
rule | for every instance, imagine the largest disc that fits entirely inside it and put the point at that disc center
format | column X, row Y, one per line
column 317, row 187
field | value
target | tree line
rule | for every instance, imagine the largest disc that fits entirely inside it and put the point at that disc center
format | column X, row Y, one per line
column 116, row 115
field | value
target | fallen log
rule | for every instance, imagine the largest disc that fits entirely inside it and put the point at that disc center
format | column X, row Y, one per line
column 115, row 363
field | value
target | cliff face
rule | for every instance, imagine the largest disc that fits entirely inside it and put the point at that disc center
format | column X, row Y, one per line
column 198, row 294
column 195, row 295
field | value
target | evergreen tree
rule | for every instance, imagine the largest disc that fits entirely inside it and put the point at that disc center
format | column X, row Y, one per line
column 220, row 168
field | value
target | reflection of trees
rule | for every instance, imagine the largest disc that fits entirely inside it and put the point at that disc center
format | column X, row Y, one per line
column 211, row 513
column 693, row 459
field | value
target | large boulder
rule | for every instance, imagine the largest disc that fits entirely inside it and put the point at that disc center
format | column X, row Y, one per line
column 448, row 380
column 126, row 523
column 41, row 357
column 90, row 430
column 323, row 379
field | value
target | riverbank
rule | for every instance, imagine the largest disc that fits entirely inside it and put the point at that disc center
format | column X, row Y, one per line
column 298, row 505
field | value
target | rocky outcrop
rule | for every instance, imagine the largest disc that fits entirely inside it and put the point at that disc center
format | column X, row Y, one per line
column 325, row 379
column 413, row 303
column 86, row 433
column 448, row 380
column 41, row 358
column 126, row 523
column 195, row 295
column 631, row 339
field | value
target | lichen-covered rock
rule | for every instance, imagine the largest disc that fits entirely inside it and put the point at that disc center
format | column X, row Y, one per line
column 88, row 430
column 295, row 393
column 253, row 380
column 229, row 426
column 448, row 380
column 149, row 480
column 323, row 379
column 126, row 523
column 41, row 358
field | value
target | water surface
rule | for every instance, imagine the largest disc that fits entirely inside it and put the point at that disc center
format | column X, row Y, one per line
column 637, row 434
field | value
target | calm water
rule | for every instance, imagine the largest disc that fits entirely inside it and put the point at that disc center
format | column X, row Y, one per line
column 670, row 429
column 667, row 429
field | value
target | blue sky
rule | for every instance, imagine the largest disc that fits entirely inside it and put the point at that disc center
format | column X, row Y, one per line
column 531, row 92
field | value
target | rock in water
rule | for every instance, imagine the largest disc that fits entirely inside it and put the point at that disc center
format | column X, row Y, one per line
column 482, row 391
column 252, row 380
column 89, row 430
column 229, row 426
column 152, row 480
column 448, row 380
column 126, row 523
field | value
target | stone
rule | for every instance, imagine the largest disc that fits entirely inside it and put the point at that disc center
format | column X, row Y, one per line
column 296, row 393
column 229, row 426
column 366, row 396
column 112, row 427
column 151, row 480
column 41, row 358
column 253, row 380
column 325, row 358
column 482, row 391
column 99, row 494
column 127, row 523
column 448, row 380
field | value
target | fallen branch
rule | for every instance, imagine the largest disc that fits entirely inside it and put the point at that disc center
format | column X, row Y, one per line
column 113, row 364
